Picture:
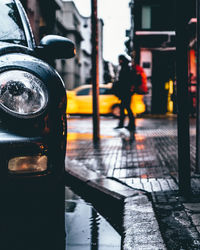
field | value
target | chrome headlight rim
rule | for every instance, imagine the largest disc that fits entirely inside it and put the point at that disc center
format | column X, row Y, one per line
column 43, row 86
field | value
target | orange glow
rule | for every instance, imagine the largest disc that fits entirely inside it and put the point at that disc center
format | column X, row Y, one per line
column 84, row 136
column 140, row 147
column 144, row 176
column 73, row 137
column 71, row 146
column 192, row 70
column 24, row 166
column 139, row 121
column 139, row 137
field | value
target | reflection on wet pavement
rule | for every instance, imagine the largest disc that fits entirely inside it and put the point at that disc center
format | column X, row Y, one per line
column 151, row 154
column 148, row 161
column 85, row 228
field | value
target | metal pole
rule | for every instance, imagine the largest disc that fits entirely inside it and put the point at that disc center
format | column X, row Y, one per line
column 198, row 90
column 182, row 97
column 95, row 70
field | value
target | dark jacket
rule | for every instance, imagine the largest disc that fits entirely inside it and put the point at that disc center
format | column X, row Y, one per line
column 125, row 81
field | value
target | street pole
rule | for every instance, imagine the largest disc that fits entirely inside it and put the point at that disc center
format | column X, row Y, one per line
column 198, row 90
column 182, row 97
column 95, row 70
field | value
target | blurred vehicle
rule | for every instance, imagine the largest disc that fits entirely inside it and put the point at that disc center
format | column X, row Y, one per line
column 79, row 101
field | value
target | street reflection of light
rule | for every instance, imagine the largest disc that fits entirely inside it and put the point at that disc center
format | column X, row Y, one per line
column 139, row 122
column 140, row 147
column 144, row 176
column 139, row 137
column 83, row 136
column 71, row 145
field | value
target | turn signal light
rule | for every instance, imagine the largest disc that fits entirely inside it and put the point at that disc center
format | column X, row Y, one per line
column 27, row 164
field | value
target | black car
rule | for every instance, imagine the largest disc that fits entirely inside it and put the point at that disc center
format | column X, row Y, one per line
column 32, row 127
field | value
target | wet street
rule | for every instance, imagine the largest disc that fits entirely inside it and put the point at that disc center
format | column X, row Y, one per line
column 119, row 194
column 86, row 229
column 145, row 162
column 120, row 155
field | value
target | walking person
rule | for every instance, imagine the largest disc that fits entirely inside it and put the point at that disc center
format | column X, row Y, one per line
column 125, row 93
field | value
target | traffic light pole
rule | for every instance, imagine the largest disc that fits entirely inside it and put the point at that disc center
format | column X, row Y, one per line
column 182, row 97
column 95, row 70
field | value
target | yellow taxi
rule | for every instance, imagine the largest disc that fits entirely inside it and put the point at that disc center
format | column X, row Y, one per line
column 79, row 101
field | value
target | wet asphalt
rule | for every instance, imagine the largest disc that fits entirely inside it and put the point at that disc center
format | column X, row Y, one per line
column 140, row 171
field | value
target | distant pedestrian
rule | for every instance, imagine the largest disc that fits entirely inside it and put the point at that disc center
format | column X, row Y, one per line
column 125, row 92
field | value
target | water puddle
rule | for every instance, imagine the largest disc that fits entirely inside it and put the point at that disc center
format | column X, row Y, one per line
column 85, row 228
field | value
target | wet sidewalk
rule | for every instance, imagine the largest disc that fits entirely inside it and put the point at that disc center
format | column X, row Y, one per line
column 141, row 169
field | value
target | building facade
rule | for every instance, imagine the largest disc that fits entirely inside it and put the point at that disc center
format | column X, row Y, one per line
column 42, row 19
column 152, row 38
column 70, row 23
column 86, row 51
column 63, row 18
column 153, row 41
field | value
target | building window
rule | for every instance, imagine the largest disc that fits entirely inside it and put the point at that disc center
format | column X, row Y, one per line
column 146, row 17
column 157, row 17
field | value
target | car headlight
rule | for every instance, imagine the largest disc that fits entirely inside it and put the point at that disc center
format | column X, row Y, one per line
column 22, row 93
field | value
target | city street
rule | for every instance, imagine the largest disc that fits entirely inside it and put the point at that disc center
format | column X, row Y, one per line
column 70, row 181
column 152, row 153
column 146, row 162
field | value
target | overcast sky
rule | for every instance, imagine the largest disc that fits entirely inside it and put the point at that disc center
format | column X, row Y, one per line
column 116, row 17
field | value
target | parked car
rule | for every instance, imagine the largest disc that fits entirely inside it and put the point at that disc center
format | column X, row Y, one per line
column 79, row 101
column 32, row 124
column 32, row 97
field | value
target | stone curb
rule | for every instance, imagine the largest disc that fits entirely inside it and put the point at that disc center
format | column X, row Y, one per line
column 140, row 225
column 141, row 230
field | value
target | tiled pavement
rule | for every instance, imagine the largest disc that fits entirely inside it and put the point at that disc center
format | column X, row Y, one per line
column 147, row 162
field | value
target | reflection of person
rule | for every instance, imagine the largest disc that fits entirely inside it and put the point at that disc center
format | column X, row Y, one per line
column 125, row 93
